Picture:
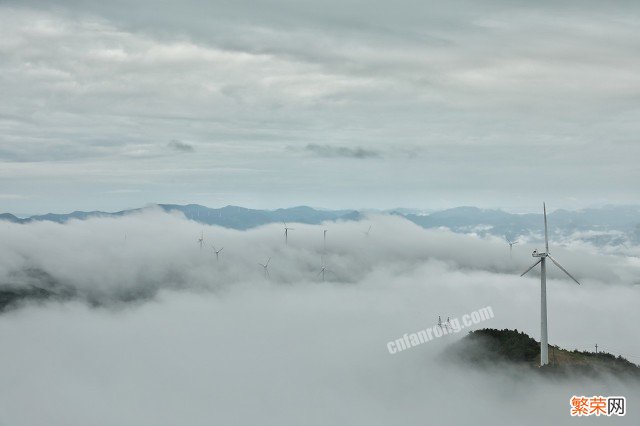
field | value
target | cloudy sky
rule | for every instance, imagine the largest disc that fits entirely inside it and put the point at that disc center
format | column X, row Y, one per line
column 345, row 104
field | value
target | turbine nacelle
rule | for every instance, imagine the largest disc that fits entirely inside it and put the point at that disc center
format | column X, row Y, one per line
column 536, row 253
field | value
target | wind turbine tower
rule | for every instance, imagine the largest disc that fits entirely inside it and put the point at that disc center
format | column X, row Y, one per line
column 217, row 252
column 323, row 269
column 542, row 260
column 511, row 243
column 286, row 233
column 265, row 266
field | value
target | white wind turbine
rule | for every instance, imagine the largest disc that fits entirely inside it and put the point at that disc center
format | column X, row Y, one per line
column 544, row 340
column 323, row 269
column 201, row 240
column 511, row 243
column 286, row 232
column 265, row 266
column 217, row 252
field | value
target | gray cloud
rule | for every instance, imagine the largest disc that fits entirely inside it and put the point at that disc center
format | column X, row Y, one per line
column 217, row 336
column 452, row 80
column 160, row 252
column 90, row 92
column 341, row 151
column 180, row 146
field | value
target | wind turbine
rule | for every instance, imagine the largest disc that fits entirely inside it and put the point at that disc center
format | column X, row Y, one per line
column 511, row 243
column 286, row 232
column 217, row 251
column 542, row 260
column 323, row 268
column 265, row 266
column 201, row 240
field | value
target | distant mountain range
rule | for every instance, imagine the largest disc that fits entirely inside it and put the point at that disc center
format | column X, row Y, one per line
column 606, row 225
column 229, row 216
column 613, row 225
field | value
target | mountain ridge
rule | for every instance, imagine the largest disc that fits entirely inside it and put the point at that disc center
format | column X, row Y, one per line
column 491, row 348
column 613, row 225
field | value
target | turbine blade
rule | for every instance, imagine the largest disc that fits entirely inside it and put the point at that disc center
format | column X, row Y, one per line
column 220, row 249
column 532, row 266
column 269, row 260
column 563, row 270
column 546, row 234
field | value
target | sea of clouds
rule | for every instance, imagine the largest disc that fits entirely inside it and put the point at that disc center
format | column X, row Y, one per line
column 152, row 330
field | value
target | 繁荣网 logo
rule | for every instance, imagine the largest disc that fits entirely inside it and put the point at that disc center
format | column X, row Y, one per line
column 598, row 405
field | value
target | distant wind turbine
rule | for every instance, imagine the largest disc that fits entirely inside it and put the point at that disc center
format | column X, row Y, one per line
column 323, row 269
column 544, row 340
column 286, row 232
column 201, row 240
column 265, row 266
column 511, row 243
column 217, row 252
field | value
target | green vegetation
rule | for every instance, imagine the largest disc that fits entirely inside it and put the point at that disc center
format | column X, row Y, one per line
column 488, row 348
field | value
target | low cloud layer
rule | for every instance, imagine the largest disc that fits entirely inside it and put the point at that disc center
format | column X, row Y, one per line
column 208, row 339
column 152, row 250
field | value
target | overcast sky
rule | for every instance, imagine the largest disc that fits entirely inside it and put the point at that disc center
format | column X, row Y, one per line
column 339, row 104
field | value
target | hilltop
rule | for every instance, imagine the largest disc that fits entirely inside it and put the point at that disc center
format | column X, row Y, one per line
column 488, row 348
